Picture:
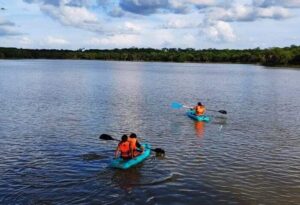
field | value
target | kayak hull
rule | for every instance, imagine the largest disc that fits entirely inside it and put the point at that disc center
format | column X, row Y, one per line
column 126, row 164
column 191, row 114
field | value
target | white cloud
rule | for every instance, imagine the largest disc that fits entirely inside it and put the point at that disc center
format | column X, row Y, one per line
column 78, row 17
column 115, row 41
column 56, row 41
column 280, row 3
column 273, row 12
column 156, row 39
column 219, row 31
column 240, row 12
column 176, row 6
column 132, row 27
column 235, row 13
column 177, row 23
column 160, row 23
column 25, row 41
column 201, row 3
column 189, row 40
column 116, row 12
column 216, row 27
column 162, row 38
column 79, row 3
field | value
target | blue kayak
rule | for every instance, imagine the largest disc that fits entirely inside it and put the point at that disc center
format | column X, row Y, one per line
column 191, row 114
column 125, row 164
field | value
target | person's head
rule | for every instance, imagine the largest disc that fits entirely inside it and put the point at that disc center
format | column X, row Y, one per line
column 124, row 138
column 132, row 135
column 199, row 103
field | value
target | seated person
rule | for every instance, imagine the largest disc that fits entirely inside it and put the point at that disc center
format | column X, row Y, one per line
column 199, row 109
column 135, row 147
column 123, row 148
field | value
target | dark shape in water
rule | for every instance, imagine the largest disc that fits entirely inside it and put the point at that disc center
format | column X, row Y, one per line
column 92, row 156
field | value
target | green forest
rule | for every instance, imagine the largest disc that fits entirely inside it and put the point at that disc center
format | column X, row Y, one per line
column 287, row 56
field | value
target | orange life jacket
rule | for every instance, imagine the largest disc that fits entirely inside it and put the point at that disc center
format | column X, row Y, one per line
column 133, row 142
column 200, row 110
column 124, row 148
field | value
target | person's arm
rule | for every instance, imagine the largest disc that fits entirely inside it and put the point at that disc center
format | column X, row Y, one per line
column 131, row 151
column 117, row 152
column 139, row 146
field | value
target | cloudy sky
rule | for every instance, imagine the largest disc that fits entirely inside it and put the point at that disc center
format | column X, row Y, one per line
column 74, row 24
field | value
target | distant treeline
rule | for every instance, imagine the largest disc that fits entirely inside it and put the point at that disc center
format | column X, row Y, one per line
column 288, row 56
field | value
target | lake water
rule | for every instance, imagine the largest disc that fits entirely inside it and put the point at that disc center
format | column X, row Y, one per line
column 53, row 111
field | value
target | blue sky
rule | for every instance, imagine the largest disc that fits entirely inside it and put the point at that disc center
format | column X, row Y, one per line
column 106, row 24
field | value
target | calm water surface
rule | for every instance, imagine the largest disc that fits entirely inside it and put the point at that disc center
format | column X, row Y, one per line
column 52, row 113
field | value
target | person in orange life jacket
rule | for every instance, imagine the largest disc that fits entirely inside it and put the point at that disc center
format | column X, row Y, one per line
column 199, row 109
column 123, row 148
column 135, row 147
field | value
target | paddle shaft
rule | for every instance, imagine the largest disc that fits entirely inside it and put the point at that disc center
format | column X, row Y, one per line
column 220, row 111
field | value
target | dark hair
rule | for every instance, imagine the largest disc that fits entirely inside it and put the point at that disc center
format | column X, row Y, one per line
column 132, row 135
column 199, row 103
column 124, row 138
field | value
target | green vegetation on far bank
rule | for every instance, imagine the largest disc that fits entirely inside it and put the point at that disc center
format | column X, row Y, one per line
column 287, row 56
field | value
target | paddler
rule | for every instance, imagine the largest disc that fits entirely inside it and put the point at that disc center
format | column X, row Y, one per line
column 124, row 148
column 135, row 147
column 199, row 109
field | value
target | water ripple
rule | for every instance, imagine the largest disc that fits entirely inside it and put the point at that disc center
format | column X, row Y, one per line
column 52, row 113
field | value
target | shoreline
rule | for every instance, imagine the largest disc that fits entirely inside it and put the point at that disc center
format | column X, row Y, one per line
column 271, row 57
column 295, row 67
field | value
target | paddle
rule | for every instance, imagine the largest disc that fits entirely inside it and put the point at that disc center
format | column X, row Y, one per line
column 176, row 105
column 220, row 111
column 108, row 137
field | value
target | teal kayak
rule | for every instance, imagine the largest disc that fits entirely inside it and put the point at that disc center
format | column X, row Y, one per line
column 125, row 164
column 191, row 114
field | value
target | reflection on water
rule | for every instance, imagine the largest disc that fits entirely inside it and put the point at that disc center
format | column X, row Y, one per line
column 126, row 179
column 141, row 175
column 199, row 128
column 52, row 113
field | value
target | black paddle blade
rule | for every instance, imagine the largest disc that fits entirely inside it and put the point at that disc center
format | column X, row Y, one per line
column 159, row 150
column 106, row 137
column 223, row 112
